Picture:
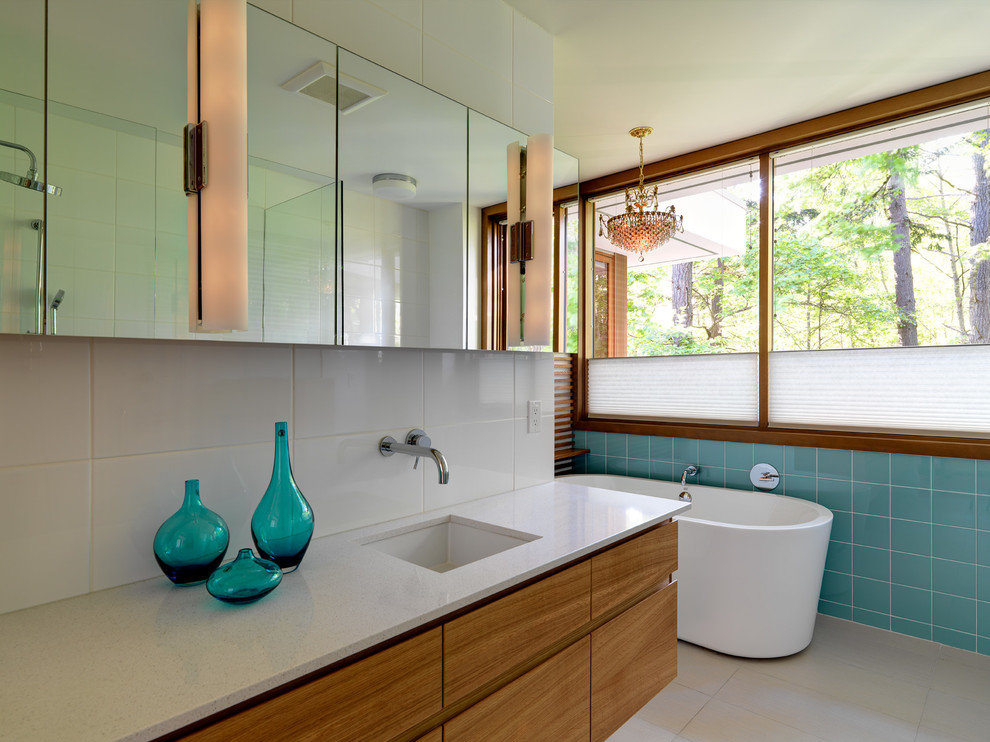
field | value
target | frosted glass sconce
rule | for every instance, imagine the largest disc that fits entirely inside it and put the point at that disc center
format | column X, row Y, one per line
column 529, row 273
column 216, row 166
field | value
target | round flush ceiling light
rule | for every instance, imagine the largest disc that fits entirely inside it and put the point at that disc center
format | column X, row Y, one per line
column 394, row 186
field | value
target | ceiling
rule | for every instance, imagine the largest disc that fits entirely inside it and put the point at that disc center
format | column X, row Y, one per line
column 704, row 72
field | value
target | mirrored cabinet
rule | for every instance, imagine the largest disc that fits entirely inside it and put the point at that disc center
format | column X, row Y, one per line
column 365, row 189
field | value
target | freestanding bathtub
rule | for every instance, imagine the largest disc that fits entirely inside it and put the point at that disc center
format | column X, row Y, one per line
column 750, row 565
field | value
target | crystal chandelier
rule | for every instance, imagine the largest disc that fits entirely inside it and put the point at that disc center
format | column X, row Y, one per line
column 643, row 227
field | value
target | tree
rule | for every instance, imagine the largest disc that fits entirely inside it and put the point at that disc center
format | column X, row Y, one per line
column 681, row 294
column 907, row 324
column 979, row 240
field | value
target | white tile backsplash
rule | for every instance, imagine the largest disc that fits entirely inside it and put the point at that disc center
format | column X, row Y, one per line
column 350, row 390
column 468, row 387
column 534, row 381
column 151, row 397
column 133, row 495
column 44, row 395
column 533, row 453
column 116, row 450
column 480, row 458
column 350, row 484
column 44, row 533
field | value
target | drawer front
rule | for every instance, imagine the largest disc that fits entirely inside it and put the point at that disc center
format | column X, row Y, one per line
column 633, row 657
column 481, row 645
column 547, row 704
column 628, row 570
column 374, row 699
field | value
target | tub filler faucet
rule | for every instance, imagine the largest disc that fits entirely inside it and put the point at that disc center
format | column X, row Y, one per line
column 691, row 471
column 417, row 444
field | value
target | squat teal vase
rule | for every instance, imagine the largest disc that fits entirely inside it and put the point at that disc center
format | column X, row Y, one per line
column 282, row 524
column 191, row 543
column 244, row 580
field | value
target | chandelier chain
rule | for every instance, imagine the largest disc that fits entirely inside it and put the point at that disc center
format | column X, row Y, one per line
column 641, row 229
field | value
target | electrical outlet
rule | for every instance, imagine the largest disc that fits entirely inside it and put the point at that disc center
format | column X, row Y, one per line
column 534, row 410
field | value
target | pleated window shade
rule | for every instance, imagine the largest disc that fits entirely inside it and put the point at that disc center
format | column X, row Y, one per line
column 701, row 388
column 937, row 389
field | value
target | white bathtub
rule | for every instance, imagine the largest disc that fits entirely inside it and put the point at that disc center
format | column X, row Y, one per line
column 750, row 565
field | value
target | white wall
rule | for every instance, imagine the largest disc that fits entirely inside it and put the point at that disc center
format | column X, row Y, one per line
column 100, row 434
column 482, row 53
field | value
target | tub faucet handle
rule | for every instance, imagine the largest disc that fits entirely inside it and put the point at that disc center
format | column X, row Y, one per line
column 691, row 471
column 764, row 476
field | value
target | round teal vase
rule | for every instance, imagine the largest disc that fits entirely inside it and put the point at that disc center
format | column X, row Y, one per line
column 191, row 543
column 245, row 579
column 282, row 524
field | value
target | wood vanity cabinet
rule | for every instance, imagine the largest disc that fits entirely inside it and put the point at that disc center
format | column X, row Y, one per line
column 376, row 698
column 599, row 635
column 550, row 702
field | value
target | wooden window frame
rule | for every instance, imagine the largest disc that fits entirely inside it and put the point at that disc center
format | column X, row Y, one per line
column 963, row 90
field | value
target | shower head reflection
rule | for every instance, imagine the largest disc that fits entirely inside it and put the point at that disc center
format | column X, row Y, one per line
column 30, row 180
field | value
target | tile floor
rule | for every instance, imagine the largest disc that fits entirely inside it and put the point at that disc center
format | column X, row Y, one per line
column 853, row 683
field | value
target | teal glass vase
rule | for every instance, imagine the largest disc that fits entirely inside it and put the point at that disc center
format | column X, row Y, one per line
column 282, row 524
column 245, row 579
column 191, row 543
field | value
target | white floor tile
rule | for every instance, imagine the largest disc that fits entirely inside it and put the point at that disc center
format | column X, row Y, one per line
column 702, row 669
column 637, row 730
column 673, row 707
column 813, row 712
column 901, row 698
column 723, row 722
column 956, row 717
column 963, row 679
column 853, row 684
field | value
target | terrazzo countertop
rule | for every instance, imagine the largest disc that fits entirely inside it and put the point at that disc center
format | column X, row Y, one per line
column 138, row 661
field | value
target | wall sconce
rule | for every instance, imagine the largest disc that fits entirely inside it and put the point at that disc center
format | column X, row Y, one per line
column 530, row 269
column 216, row 166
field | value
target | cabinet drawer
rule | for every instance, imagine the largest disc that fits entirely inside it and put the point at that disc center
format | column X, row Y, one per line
column 373, row 699
column 633, row 657
column 481, row 645
column 630, row 569
column 547, row 704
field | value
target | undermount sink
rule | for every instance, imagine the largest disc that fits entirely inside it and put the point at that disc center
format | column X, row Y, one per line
column 448, row 542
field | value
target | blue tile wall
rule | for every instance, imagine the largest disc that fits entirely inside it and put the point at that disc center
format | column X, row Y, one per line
column 910, row 545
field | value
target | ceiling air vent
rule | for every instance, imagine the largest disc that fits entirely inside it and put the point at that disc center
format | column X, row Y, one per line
column 320, row 82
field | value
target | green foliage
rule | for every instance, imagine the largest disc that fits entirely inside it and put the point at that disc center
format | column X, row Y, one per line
column 834, row 245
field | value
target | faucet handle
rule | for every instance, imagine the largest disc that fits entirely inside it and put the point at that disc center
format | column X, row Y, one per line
column 417, row 437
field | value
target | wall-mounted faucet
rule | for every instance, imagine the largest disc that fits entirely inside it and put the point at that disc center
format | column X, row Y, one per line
column 691, row 471
column 417, row 444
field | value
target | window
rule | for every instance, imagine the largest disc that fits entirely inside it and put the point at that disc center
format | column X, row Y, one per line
column 695, row 296
column 871, row 327
column 882, row 279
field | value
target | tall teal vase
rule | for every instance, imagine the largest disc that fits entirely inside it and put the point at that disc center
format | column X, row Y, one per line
column 282, row 524
column 191, row 543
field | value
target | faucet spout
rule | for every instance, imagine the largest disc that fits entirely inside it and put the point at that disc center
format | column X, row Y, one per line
column 418, row 445
column 691, row 471
column 443, row 472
